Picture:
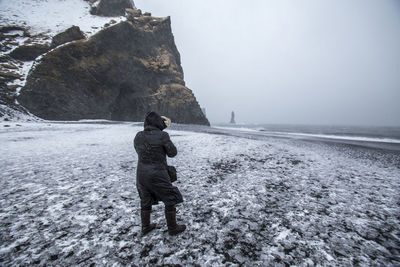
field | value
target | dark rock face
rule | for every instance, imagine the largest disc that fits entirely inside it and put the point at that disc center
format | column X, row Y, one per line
column 120, row 73
column 72, row 34
column 29, row 52
column 111, row 8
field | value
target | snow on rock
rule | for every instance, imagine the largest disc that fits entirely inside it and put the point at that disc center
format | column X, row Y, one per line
column 27, row 29
column 23, row 71
column 51, row 16
column 68, row 197
column 15, row 114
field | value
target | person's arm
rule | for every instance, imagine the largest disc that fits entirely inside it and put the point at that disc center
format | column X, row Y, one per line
column 136, row 142
column 168, row 146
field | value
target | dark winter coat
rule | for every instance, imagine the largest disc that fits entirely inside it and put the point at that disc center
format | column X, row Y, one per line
column 152, row 180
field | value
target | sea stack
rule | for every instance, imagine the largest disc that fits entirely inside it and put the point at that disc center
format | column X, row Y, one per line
column 233, row 118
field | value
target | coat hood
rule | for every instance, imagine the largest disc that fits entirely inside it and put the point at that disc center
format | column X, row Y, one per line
column 155, row 120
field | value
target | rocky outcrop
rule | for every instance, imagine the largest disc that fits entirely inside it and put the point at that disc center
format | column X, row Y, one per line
column 133, row 13
column 71, row 34
column 120, row 73
column 5, row 31
column 8, row 108
column 111, row 8
column 8, row 76
column 29, row 52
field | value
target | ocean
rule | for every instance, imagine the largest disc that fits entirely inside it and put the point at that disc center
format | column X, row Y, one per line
column 375, row 137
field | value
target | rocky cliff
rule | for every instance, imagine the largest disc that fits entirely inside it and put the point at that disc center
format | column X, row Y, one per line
column 111, row 8
column 120, row 73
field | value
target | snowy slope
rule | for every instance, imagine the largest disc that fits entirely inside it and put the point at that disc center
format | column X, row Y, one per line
column 68, row 197
column 51, row 16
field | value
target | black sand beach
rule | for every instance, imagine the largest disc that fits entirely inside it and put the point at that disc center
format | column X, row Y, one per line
column 68, row 197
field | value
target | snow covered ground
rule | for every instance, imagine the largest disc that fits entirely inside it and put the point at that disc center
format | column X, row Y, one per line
column 68, row 197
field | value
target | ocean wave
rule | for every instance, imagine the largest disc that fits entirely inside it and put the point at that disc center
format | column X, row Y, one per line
column 358, row 138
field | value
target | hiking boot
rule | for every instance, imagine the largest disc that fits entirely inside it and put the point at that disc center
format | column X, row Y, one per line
column 146, row 225
column 173, row 228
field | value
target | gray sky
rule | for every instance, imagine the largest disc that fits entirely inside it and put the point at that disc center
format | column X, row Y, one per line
column 290, row 61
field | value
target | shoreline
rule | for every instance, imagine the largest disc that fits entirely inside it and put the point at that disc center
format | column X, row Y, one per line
column 389, row 147
column 381, row 146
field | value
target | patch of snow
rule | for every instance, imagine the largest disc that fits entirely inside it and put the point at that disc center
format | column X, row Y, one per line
column 86, row 218
column 14, row 32
column 328, row 257
column 23, row 71
column 96, row 4
column 282, row 235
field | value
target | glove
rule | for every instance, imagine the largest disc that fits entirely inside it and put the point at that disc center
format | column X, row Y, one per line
column 167, row 121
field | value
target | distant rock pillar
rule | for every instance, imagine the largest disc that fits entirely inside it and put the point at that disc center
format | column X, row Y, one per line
column 233, row 118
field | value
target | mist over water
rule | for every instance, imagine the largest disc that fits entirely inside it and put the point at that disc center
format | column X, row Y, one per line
column 290, row 62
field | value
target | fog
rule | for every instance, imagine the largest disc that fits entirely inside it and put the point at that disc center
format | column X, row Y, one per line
column 334, row 62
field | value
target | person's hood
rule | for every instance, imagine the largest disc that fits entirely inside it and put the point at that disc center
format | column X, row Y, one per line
column 154, row 120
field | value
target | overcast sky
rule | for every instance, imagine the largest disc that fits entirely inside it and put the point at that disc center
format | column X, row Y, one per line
column 290, row 61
